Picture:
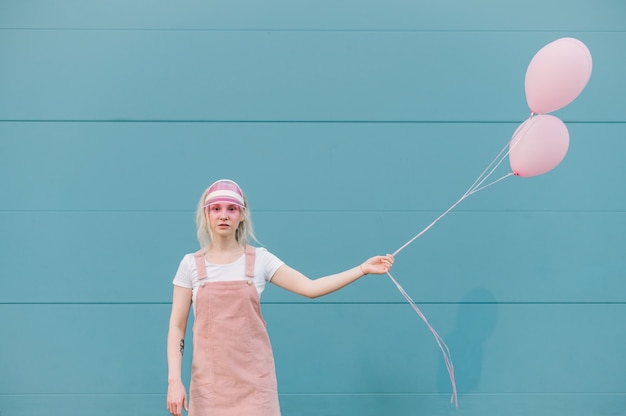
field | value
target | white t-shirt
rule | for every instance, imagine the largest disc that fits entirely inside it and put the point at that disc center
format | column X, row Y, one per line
column 265, row 265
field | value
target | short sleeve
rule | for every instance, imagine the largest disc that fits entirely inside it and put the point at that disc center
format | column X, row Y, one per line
column 183, row 275
column 269, row 263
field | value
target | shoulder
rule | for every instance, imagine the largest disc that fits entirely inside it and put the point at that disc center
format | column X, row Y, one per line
column 267, row 261
column 188, row 261
column 262, row 252
column 189, row 257
column 186, row 271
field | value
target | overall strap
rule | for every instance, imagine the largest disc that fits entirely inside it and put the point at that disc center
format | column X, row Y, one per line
column 200, row 265
column 250, row 251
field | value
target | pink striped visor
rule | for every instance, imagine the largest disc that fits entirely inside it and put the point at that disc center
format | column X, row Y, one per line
column 225, row 191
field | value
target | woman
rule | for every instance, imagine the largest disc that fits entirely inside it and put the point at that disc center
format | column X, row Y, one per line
column 232, row 365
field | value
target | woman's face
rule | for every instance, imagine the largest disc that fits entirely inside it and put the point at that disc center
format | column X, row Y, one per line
column 224, row 218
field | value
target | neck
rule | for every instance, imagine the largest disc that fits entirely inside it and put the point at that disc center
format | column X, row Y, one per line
column 224, row 245
column 223, row 251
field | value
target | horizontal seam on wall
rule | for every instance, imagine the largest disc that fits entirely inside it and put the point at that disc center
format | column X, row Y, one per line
column 313, row 303
column 296, row 121
column 309, row 30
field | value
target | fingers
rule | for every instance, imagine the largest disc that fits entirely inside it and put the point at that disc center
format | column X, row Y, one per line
column 387, row 261
column 176, row 408
column 176, row 399
column 378, row 264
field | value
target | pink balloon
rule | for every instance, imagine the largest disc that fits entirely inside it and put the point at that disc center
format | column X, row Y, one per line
column 538, row 145
column 557, row 74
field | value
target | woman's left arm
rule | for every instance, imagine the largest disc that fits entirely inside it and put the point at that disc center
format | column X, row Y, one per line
column 294, row 281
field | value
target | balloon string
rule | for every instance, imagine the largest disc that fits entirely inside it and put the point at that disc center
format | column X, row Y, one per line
column 502, row 155
column 418, row 235
column 476, row 187
column 478, row 183
column 492, row 183
column 480, row 178
column 445, row 351
column 521, row 132
column 469, row 192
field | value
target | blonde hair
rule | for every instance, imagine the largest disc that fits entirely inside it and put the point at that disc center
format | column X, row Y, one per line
column 244, row 233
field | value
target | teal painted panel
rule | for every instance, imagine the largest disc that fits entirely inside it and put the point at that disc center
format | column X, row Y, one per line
column 524, row 281
column 333, row 348
column 133, row 256
column 84, row 349
column 338, row 405
column 554, row 15
column 291, row 76
column 524, row 257
column 81, row 404
column 92, row 257
column 439, row 405
column 390, row 167
column 495, row 348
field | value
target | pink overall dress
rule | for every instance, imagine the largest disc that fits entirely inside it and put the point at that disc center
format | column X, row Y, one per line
column 232, row 371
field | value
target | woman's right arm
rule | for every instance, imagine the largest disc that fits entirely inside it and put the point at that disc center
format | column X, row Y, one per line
column 176, row 396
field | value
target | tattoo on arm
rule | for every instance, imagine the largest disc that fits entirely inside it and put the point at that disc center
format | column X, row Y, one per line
column 182, row 346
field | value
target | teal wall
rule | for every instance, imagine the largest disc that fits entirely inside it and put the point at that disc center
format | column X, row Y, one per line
column 351, row 125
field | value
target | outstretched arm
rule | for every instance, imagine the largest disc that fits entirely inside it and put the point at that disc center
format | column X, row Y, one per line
column 294, row 281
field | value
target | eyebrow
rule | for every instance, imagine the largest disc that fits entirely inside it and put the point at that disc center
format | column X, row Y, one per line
column 226, row 205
